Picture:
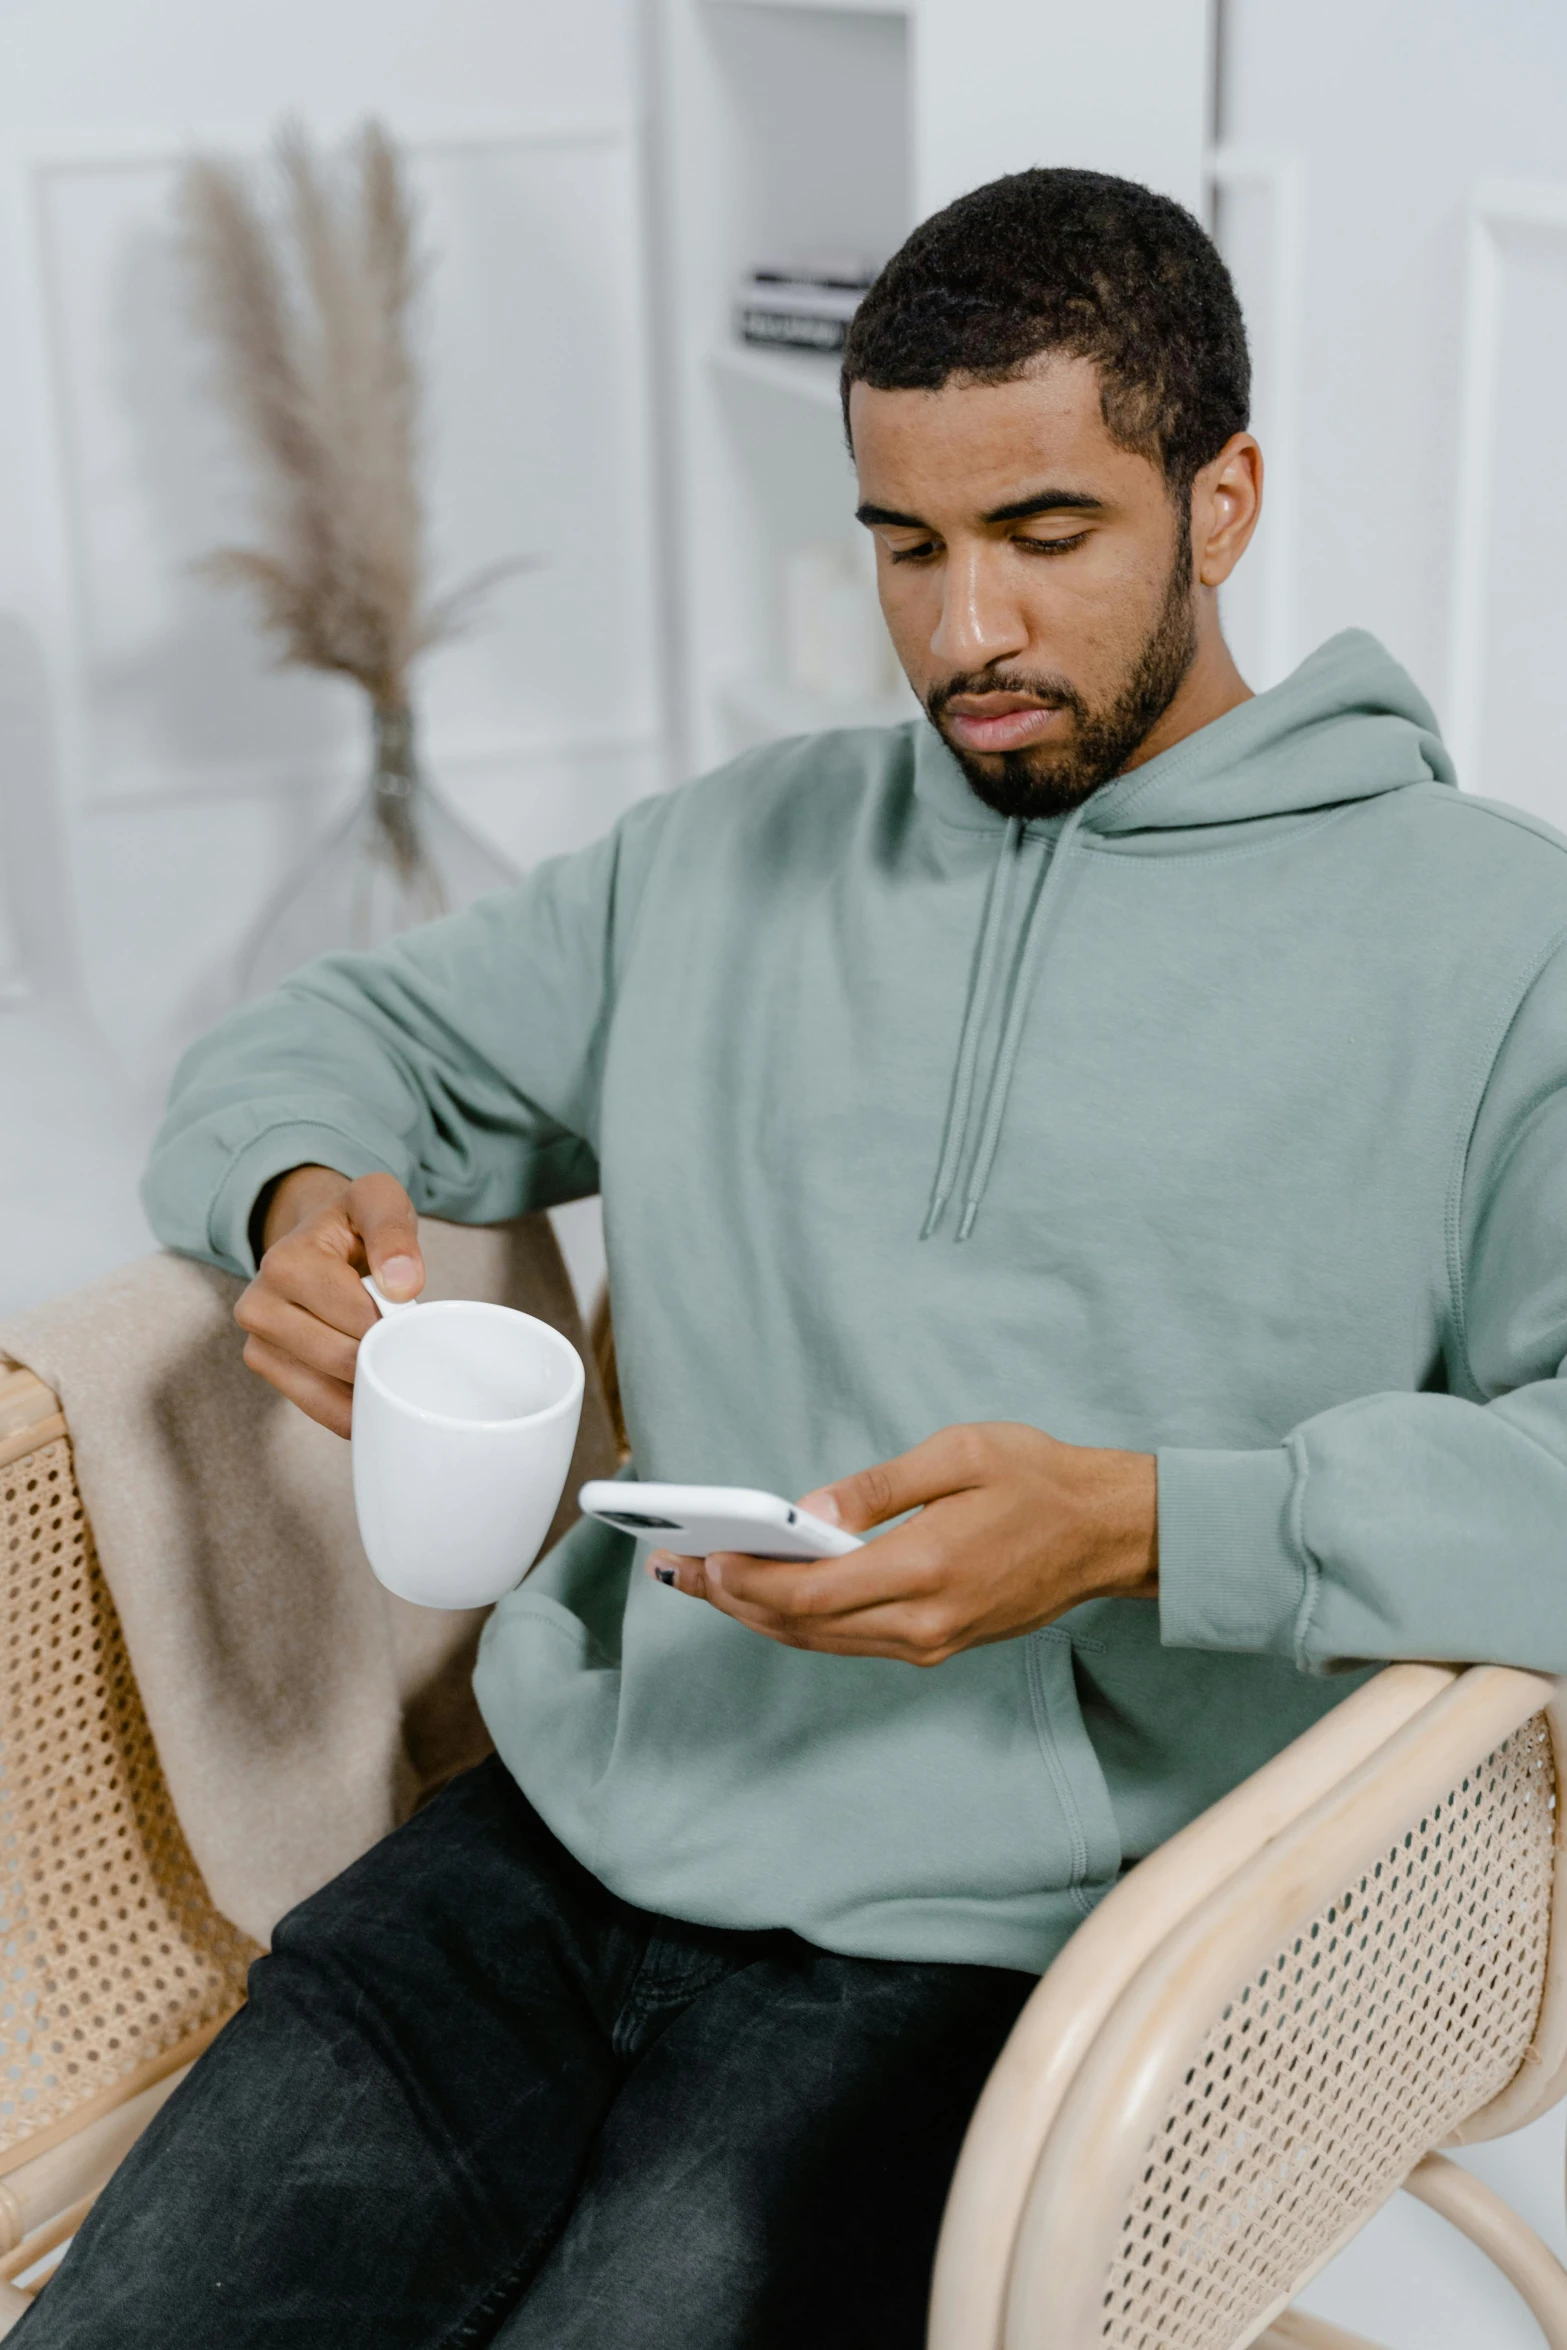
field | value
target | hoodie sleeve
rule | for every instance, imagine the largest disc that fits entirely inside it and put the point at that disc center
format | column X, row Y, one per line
column 464, row 1059
column 1416, row 1525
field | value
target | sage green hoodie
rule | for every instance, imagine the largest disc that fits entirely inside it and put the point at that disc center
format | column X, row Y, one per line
column 1225, row 1118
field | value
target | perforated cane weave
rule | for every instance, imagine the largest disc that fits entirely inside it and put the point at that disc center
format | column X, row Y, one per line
column 111, row 1953
column 1402, row 2008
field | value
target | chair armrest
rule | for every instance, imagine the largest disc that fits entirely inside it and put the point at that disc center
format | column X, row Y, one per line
column 1302, row 2038
column 30, row 1412
column 1058, row 2026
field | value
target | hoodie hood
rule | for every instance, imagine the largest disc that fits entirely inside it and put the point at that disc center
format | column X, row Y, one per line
column 1348, row 724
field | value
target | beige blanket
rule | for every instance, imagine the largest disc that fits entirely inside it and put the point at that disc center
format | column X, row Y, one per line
column 299, row 1709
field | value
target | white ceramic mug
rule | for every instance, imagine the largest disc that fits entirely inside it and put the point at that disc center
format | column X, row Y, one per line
column 465, row 1416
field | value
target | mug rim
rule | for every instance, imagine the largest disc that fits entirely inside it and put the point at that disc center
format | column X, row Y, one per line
column 364, row 1367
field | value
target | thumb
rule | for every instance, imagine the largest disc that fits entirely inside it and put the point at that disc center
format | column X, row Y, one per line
column 383, row 1215
column 873, row 1495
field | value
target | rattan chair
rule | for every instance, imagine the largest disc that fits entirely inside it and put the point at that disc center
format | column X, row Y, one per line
column 117, row 1970
column 1270, row 2026
column 1262, row 2034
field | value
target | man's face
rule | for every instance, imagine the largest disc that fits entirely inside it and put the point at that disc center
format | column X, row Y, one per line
column 1035, row 577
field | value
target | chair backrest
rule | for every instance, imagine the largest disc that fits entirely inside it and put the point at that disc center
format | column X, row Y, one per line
column 116, row 1967
column 1359, row 1966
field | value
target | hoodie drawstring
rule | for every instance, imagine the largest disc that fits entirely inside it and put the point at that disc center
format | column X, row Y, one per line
column 1012, row 1032
column 993, row 926
column 992, row 929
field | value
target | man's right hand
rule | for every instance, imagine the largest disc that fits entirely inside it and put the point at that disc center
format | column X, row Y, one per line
column 306, row 1310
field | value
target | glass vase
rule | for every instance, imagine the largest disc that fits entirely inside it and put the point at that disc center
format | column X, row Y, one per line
column 401, row 857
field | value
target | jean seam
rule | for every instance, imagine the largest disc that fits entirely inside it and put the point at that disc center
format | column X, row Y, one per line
column 496, row 2297
column 644, row 2004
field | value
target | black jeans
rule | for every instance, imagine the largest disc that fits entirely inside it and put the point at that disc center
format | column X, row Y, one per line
column 474, row 2098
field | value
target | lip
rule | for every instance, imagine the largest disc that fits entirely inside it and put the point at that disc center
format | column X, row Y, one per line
column 1003, row 722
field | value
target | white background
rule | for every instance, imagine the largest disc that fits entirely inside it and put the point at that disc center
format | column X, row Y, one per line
column 158, row 776
column 1400, row 122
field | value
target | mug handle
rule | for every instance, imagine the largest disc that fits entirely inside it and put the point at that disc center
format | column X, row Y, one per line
column 386, row 1306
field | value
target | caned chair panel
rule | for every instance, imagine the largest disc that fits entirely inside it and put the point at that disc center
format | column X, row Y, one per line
column 1364, row 1979
column 115, row 1969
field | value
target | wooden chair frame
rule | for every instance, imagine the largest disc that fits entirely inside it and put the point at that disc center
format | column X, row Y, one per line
column 1063, row 2129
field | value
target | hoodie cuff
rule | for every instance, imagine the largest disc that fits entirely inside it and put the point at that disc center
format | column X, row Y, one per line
column 1230, row 1576
column 272, row 1153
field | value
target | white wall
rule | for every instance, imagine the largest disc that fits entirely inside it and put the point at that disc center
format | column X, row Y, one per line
column 1390, row 126
column 1121, row 85
column 159, row 775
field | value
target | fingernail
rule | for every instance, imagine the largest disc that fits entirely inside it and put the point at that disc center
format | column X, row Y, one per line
column 714, row 1573
column 399, row 1273
column 665, row 1574
column 822, row 1505
column 661, row 1567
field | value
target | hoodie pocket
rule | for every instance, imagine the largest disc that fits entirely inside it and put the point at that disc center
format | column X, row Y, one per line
column 1074, row 1767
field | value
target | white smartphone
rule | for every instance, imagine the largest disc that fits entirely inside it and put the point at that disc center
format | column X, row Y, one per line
column 696, row 1519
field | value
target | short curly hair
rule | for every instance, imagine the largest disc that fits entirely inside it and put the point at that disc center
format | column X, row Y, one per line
column 1071, row 261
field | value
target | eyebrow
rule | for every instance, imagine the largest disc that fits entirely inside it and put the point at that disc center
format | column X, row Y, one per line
column 1020, row 510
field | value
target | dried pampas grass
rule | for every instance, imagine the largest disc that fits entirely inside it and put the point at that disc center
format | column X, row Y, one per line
column 309, row 319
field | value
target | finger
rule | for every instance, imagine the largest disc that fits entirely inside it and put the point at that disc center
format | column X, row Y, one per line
column 326, row 1400
column 384, row 1217
column 680, row 1574
column 948, row 1462
column 909, row 1631
column 266, row 1314
column 791, row 1590
column 900, row 1566
column 310, row 1269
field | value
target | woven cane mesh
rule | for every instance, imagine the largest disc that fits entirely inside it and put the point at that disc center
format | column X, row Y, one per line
column 110, row 1951
column 1405, row 2005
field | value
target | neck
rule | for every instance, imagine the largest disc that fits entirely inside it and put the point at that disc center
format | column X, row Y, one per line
column 1211, row 686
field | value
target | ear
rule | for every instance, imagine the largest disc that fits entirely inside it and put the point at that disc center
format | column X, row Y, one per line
column 1226, row 503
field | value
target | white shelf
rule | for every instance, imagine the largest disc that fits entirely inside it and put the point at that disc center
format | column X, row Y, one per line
column 765, row 709
column 800, row 375
column 792, row 126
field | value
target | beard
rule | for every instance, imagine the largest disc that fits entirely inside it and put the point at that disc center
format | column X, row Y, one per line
column 1038, row 782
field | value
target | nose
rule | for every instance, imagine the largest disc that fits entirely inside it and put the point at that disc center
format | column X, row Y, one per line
column 980, row 621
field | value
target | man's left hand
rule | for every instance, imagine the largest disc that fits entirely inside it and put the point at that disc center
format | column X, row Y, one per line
column 1012, row 1529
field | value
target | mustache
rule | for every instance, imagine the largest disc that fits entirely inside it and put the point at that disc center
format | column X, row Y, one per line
column 1056, row 692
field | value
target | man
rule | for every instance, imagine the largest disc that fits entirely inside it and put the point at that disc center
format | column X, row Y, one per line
column 1118, row 1066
